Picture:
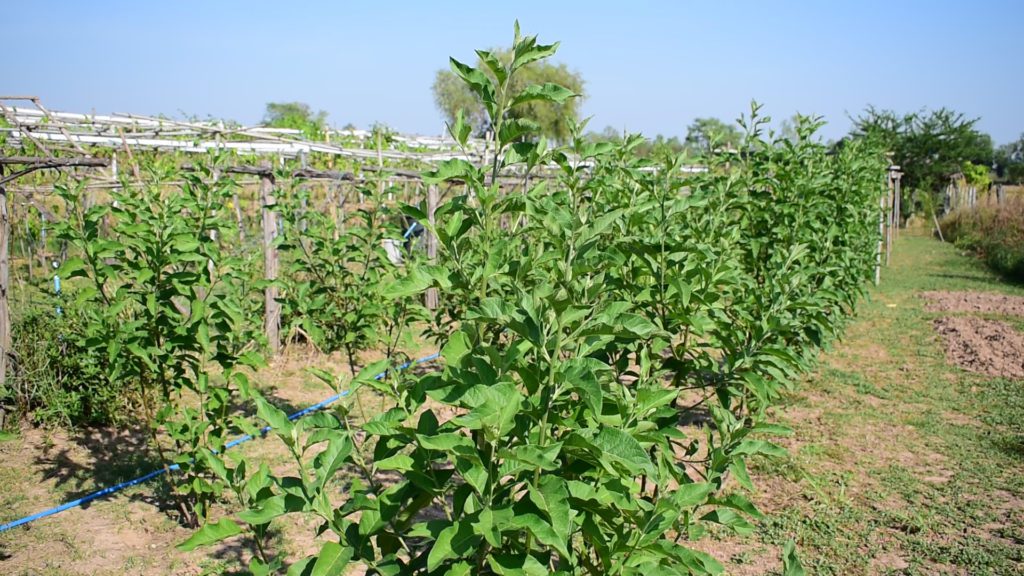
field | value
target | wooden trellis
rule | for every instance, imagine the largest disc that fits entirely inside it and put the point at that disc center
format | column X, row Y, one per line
column 61, row 133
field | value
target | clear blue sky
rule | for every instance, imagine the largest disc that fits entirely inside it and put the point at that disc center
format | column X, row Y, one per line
column 648, row 66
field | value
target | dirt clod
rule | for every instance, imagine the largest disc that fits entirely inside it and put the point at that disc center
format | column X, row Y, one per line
column 983, row 302
column 984, row 346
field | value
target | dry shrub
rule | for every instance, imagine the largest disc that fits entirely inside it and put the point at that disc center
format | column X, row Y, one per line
column 996, row 233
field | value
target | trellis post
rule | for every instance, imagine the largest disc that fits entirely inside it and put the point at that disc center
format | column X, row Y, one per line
column 5, row 317
column 431, row 297
column 271, row 307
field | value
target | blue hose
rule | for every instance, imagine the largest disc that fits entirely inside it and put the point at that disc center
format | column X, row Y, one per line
column 118, row 487
column 412, row 228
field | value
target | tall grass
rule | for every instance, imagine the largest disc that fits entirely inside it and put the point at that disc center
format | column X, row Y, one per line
column 996, row 233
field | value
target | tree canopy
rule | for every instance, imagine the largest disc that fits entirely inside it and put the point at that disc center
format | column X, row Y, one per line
column 1010, row 161
column 929, row 146
column 451, row 95
column 297, row 116
column 656, row 146
column 707, row 134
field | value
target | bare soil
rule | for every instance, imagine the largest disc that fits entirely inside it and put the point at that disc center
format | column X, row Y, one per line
column 134, row 531
column 984, row 346
column 976, row 302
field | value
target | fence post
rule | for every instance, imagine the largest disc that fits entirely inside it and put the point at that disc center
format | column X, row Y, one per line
column 271, row 307
column 897, row 176
column 5, row 317
column 431, row 297
column 890, row 204
column 881, row 238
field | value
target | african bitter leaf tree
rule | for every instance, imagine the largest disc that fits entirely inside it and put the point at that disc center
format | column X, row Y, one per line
column 588, row 317
column 161, row 303
column 336, row 266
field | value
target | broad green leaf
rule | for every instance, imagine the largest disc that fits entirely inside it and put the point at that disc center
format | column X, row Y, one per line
column 530, row 51
column 552, row 497
column 460, row 131
column 516, row 565
column 729, row 519
column 332, row 560
column 455, row 541
column 276, row 418
column 303, row 567
column 547, row 92
column 621, row 448
column 270, row 508
column 455, row 169
column 456, row 348
column 445, row 441
column 72, row 268
column 791, row 565
column 493, row 64
column 210, row 534
column 400, row 462
column 689, row 495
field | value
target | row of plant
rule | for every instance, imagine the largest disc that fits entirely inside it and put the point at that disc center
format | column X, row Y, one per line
column 160, row 318
column 62, row 371
column 583, row 320
column 995, row 233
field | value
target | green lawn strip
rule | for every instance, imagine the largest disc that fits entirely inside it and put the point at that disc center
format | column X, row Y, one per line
column 901, row 463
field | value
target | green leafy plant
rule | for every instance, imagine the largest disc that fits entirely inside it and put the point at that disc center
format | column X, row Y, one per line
column 336, row 268
column 585, row 317
column 161, row 305
column 53, row 380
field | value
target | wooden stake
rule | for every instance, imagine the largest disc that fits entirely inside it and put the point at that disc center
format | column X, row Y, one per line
column 5, row 317
column 271, row 307
column 881, row 237
column 431, row 297
column 889, row 205
column 899, row 203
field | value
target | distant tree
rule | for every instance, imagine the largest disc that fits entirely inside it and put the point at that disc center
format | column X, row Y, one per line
column 609, row 134
column 929, row 146
column 707, row 134
column 1010, row 161
column 451, row 95
column 297, row 116
column 787, row 130
column 650, row 147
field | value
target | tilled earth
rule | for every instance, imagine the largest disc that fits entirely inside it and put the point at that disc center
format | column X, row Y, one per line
column 984, row 346
column 977, row 302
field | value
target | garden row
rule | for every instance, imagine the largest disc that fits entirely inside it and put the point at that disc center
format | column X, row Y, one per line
column 581, row 320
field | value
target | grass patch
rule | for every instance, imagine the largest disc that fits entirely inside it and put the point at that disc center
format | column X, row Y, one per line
column 901, row 463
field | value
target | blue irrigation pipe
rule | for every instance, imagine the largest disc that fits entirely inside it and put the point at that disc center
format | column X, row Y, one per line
column 118, row 487
column 56, row 289
column 412, row 228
